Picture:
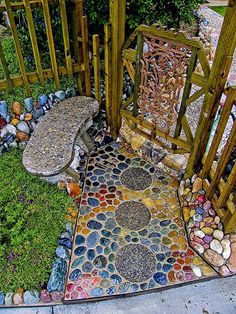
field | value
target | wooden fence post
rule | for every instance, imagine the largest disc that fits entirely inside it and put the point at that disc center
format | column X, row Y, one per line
column 216, row 83
column 117, row 21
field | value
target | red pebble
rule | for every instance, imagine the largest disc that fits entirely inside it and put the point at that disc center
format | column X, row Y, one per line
column 201, row 198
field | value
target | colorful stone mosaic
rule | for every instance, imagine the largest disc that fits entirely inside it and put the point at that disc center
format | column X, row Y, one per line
column 129, row 238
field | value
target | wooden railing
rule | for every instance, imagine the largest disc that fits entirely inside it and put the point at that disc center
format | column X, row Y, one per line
column 76, row 48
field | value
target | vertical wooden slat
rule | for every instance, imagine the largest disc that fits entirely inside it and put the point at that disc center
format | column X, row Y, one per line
column 107, row 51
column 117, row 20
column 220, row 131
column 66, row 39
column 5, row 69
column 86, row 55
column 137, row 78
column 216, row 83
column 186, row 93
column 230, row 185
column 77, row 47
column 224, row 159
column 34, row 42
column 17, row 46
column 51, row 45
column 96, row 65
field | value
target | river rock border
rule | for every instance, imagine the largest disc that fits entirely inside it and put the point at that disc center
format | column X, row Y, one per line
column 204, row 228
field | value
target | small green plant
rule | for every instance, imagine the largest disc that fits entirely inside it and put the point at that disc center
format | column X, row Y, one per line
column 31, row 219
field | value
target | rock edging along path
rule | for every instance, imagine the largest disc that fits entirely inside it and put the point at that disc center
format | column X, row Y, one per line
column 50, row 148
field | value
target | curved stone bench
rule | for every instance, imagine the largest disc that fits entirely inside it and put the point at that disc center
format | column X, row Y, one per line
column 50, row 149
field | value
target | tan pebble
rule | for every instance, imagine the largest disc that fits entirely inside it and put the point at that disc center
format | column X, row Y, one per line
column 22, row 136
column 197, row 261
column 207, row 230
column 226, row 248
column 199, row 233
column 224, row 270
column 218, row 234
column 148, row 202
column 192, row 213
column 197, row 185
column 202, row 224
column 207, row 271
column 208, row 219
column 186, row 191
column 186, row 213
column 15, row 121
column 16, row 108
column 231, row 263
column 28, row 117
column 197, row 271
column 137, row 142
column 214, row 258
column 61, row 185
column 217, row 219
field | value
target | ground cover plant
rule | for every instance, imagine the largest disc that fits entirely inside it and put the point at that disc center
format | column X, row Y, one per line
column 31, row 220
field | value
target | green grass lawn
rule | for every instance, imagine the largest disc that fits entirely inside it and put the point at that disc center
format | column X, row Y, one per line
column 32, row 218
column 220, row 10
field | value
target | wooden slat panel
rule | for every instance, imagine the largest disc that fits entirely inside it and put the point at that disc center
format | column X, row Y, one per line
column 130, row 69
column 107, row 50
column 195, row 96
column 86, row 55
column 96, row 65
column 66, row 39
column 18, row 48
column 220, row 131
column 187, row 130
column 186, row 93
column 5, row 69
column 51, row 45
column 223, row 160
column 204, row 62
column 149, row 126
column 33, row 77
column 34, row 42
column 230, row 185
column 137, row 78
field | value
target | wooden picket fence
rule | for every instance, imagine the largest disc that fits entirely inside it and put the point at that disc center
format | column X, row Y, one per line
column 76, row 48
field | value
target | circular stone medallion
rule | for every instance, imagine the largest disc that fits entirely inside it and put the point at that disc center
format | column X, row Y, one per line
column 132, row 215
column 135, row 263
column 136, row 179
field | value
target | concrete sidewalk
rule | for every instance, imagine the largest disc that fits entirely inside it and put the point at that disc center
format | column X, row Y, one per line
column 217, row 296
column 217, row 3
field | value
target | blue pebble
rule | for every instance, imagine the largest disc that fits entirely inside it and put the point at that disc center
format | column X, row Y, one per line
column 101, row 217
column 168, row 254
column 97, row 292
column 116, row 171
column 99, row 249
column 159, row 266
column 106, row 233
column 199, row 210
column 134, row 287
column 91, row 254
column 145, row 242
column 165, row 248
column 117, row 230
column 154, row 248
column 111, row 290
column 105, row 241
column 87, row 267
column 165, row 223
column 143, row 286
column 122, row 166
column 143, row 232
column 66, row 243
column 104, row 274
column 166, row 267
column 79, row 239
column 171, row 260
column 93, row 201
column 114, row 246
column 43, row 99
column 75, row 274
column 58, row 276
column 2, row 298
column 69, row 227
column 80, row 250
column 124, row 287
column 60, row 95
column 151, row 284
column 128, row 238
column 62, row 252
column 4, row 109
column 92, row 239
column 93, row 224
column 99, row 172
column 115, row 279
column 160, row 278
column 161, row 257
column 154, row 235
column 111, row 267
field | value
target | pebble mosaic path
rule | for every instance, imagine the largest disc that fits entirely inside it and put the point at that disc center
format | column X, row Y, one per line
column 129, row 238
